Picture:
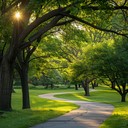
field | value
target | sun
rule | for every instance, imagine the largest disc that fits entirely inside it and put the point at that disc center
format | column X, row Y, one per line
column 17, row 15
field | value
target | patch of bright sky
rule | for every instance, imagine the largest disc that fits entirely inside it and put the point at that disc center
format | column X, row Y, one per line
column 78, row 26
column 60, row 32
column 32, row 18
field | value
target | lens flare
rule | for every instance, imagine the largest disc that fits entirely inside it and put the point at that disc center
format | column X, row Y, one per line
column 18, row 15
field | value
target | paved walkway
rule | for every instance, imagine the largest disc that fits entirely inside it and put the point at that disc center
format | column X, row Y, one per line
column 89, row 115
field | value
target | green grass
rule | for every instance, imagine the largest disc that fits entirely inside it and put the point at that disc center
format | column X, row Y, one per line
column 41, row 110
column 119, row 117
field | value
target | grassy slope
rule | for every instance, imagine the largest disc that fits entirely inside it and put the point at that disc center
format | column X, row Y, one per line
column 119, row 118
column 41, row 111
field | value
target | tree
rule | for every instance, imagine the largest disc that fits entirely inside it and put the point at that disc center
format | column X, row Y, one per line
column 28, row 29
column 22, row 66
column 82, row 72
column 20, row 32
column 110, row 62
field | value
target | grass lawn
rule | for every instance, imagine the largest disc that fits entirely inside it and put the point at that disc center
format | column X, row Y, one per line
column 119, row 117
column 41, row 109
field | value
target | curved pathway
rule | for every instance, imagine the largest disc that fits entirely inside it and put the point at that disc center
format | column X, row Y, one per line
column 89, row 115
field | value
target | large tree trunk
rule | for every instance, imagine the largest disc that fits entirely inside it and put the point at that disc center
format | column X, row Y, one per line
column 76, row 87
column 122, row 90
column 87, row 89
column 6, row 71
column 22, row 66
column 123, row 95
column 25, row 89
column 85, row 86
column 123, row 98
column 22, row 69
column 6, row 80
column 113, row 84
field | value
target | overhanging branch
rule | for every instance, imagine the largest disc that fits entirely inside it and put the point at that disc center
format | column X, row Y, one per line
column 105, row 8
column 41, row 32
column 38, row 57
column 5, row 9
column 38, row 21
column 94, row 26
column 64, row 22
column 45, row 29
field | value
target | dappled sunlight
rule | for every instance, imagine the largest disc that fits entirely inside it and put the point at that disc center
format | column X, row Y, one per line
column 44, row 109
column 116, row 121
column 119, row 117
column 22, row 117
column 73, row 96
column 123, row 112
column 33, row 102
column 49, row 109
column 121, row 109
column 59, row 109
column 81, row 97
column 51, row 105
column 64, row 108
column 89, row 113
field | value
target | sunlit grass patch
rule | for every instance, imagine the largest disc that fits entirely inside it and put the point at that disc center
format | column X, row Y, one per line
column 80, row 96
column 41, row 110
column 119, row 117
column 104, row 94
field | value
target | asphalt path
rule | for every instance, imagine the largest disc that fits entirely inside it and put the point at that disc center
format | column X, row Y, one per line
column 88, row 115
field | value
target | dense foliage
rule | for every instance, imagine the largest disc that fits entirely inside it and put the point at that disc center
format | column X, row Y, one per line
column 22, row 33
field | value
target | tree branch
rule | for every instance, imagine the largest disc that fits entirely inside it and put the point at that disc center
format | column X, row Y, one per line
column 118, row 91
column 45, row 29
column 39, row 57
column 38, row 21
column 93, row 26
column 64, row 22
column 126, row 91
column 105, row 8
column 29, row 53
column 3, row 48
column 41, row 32
column 5, row 10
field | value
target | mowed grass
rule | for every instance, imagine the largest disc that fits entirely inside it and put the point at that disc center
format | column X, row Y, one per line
column 41, row 110
column 104, row 94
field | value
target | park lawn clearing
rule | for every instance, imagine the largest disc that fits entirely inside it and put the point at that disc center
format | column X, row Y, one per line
column 41, row 110
column 104, row 94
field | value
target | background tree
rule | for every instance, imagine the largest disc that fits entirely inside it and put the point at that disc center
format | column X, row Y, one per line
column 109, row 61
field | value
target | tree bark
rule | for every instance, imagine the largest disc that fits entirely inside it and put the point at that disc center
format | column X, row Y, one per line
column 113, row 84
column 23, row 72
column 85, row 85
column 79, row 85
column 87, row 89
column 6, row 70
column 76, row 87
column 93, row 85
column 123, row 98
column 18, row 36
column 6, row 80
